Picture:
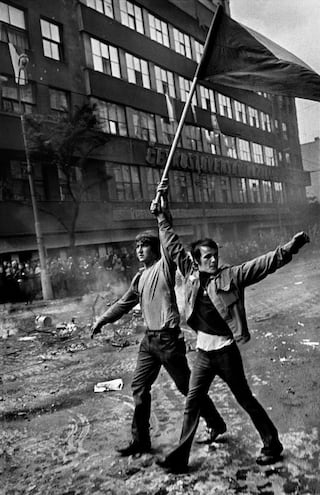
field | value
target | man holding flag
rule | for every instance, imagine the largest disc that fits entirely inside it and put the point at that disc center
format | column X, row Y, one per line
column 214, row 308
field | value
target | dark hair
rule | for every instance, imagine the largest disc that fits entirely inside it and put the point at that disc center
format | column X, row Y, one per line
column 195, row 247
column 150, row 238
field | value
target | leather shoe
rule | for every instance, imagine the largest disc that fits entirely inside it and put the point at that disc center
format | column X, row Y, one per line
column 266, row 459
column 211, row 434
column 134, row 448
column 174, row 468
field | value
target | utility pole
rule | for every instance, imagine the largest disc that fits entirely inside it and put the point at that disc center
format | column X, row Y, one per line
column 45, row 278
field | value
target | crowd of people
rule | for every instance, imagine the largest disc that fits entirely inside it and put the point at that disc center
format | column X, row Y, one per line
column 20, row 281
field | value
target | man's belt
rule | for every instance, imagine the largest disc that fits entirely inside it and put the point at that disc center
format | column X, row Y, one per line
column 164, row 332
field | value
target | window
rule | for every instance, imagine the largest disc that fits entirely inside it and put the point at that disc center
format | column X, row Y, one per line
column 254, row 191
column 18, row 184
column 254, row 117
column 257, row 153
column 240, row 111
column 103, row 6
column 181, row 186
column 168, row 131
column 184, row 86
column 244, row 150
column 278, row 192
column 207, row 99
column 191, row 138
column 127, row 182
column 13, row 26
column 284, row 130
column 287, row 157
column 153, row 179
column 51, row 40
column 131, row 16
column 59, row 100
column 112, row 117
column 265, row 121
column 225, row 187
column 266, row 191
column 105, row 58
column 144, row 126
column 230, row 146
column 269, row 156
column 182, row 43
column 225, row 106
column 159, row 30
column 198, row 50
column 241, row 195
column 208, row 188
column 164, row 81
column 68, row 181
column 138, row 72
column 10, row 97
column 211, row 142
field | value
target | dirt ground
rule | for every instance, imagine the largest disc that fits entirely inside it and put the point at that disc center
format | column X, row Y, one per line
column 59, row 436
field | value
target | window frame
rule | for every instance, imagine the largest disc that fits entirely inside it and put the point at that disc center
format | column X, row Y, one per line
column 50, row 41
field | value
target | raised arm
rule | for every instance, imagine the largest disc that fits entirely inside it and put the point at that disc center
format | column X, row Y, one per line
column 253, row 271
column 169, row 239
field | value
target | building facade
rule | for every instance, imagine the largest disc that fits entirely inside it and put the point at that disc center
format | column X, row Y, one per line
column 311, row 162
column 237, row 169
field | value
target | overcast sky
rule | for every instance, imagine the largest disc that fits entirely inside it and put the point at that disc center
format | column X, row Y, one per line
column 295, row 25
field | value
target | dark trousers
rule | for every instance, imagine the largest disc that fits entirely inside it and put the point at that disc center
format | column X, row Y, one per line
column 226, row 363
column 170, row 351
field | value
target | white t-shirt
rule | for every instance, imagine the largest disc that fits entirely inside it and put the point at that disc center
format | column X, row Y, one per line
column 208, row 342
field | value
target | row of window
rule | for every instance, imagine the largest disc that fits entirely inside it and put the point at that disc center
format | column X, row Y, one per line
column 126, row 121
column 118, row 120
column 9, row 98
column 142, row 21
column 127, row 185
column 13, row 28
column 117, row 63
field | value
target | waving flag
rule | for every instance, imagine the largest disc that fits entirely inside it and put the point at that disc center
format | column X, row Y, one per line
column 239, row 57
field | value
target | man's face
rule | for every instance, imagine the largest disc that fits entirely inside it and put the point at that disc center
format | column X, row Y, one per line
column 144, row 252
column 208, row 260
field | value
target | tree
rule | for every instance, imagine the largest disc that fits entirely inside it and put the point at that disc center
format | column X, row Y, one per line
column 69, row 143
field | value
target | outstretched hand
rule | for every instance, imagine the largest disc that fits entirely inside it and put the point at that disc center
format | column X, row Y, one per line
column 95, row 328
column 299, row 240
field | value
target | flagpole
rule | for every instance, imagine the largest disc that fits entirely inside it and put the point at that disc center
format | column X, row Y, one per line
column 174, row 144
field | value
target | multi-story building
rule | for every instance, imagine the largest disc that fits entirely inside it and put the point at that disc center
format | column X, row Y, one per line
column 238, row 165
column 311, row 162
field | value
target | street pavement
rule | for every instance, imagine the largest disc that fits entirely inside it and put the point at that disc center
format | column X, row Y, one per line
column 59, row 437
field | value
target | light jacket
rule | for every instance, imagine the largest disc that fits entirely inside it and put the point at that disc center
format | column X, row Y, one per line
column 226, row 288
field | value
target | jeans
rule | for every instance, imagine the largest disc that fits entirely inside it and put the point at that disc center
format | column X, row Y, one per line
column 226, row 363
column 162, row 348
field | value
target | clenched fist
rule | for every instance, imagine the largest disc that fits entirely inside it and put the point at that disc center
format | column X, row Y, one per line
column 299, row 240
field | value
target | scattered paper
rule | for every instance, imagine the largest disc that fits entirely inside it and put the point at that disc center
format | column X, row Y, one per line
column 116, row 384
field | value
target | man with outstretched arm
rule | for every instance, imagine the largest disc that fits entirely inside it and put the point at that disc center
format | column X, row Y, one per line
column 214, row 307
column 163, row 342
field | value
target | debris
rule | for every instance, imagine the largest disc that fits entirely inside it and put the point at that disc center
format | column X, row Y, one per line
column 28, row 337
column 66, row 329
column 308, row 342
column 42, row 321
column 116, row 384
column 301, row 324
column 298, row 283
